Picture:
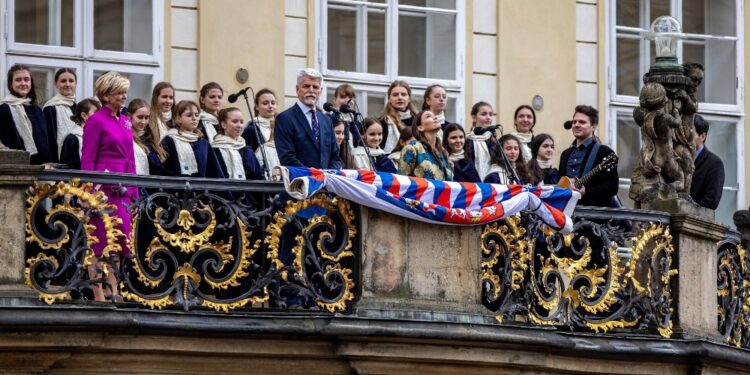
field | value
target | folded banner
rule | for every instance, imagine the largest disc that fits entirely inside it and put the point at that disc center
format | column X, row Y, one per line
column 431, row 201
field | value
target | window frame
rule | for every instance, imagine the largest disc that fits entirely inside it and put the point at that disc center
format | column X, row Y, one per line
column 368, row 81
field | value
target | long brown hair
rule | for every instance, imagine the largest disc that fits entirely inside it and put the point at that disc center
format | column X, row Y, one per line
column 436, row 149
column 153, row 121
column 392, row 113
column 19, row 68
column 134, row 106
column 345, row 154
column 428, row 92
column 522, row 167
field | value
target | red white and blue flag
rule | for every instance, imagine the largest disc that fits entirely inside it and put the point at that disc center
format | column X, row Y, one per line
column 431, row 201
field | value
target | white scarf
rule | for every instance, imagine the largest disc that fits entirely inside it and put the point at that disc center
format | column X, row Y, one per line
column 166, row 116
column 273, row 157
column 264, row 125
column 78, row 132
column 544, row 164
column 404, row 115
column 504, row 180
column 141, row 160
column 229, row 149
column 481, row 153
column 440, row 117
column 163, row 129
column 210, row 122
column 393, row 135
column 185, row 153
column 21, row 120
column 63, row 112
column 525, row 139
column 361, row 161
column 457, row 156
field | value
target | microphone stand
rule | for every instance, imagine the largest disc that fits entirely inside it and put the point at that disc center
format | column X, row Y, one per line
column 356, row 122
column 512, row 175
column 266, row 169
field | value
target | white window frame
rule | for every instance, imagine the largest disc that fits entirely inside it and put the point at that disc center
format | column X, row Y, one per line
column 710, row 111
column 13, row 46
column 369, row 81
column 90, row 67
column 154, row 58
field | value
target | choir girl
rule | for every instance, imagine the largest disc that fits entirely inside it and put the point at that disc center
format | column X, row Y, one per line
column 108, row 147
column 398, row 114
column 425, row 156
column 139, row 113
column 524, row 119
column 542, row 151
column 373, row 135
column 22, row 123
column 480, row 144
column 162, row 103
column 59, row 110
column 435, row 100
column 70, row 151
column 345, row 95
column 236, row 158
column 210, row 101
column 345, row 151
column 188, row 151
column 498, row 173
column 265, row 115
column 454, row 141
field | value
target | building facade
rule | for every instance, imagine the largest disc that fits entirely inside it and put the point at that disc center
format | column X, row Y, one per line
column 505, row 52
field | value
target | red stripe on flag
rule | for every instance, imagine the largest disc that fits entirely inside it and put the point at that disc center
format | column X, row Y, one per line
column 395, row 187
column 367, row 177
column 491, row 199
column 421, row 187
column 556, row 214
column 445, row 197
column 471, row 189
column 515, row 190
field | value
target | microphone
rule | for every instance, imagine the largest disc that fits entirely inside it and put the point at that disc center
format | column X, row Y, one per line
column 479, row 130
column 233, row 97
column 328, row 107
column 568, row 125
column 344, row 108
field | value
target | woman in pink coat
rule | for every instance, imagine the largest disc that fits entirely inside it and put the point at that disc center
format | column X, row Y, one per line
column 108, row 147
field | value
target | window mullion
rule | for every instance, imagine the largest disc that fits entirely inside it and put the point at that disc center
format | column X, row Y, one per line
column 391, row 48
column 361, row 39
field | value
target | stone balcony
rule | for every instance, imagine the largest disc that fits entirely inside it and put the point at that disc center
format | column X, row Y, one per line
column 216, row 265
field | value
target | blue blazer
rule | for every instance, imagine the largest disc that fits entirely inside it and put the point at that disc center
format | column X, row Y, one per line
column 296, row 145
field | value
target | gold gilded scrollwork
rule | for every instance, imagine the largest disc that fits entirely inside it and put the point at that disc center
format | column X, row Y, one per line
column 186, row 240
column 733, row 294
column 504, row 249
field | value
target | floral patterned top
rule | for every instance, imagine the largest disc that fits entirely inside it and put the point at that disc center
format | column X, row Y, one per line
column 416, row 161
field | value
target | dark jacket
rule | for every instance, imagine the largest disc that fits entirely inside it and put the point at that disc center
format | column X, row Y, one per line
column 205, row 156
column 603, row 186
column 10, row 138
column 296, row 144
column 708, row 180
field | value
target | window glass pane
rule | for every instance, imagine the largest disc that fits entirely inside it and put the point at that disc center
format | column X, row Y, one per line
column 722, row 141
column 375, row 42
column 628, row 66
column 658, row 8
column 140, row 84
column 628, row 13
column 123, row 26
column 628, row 143
column 693, row 16
column 411, row 45
column 727, row 207
column 375, row 103
column 427, row 45
column 719, row 60
column 444, row 4
column 342, row 51
column 44, row 82
column 44, row 22
column 714, row 17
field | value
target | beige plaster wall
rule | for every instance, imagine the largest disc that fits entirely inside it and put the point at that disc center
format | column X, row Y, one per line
column 537, row 56
column 233, row 35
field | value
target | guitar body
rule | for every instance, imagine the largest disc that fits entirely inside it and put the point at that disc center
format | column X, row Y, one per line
column 565, row 182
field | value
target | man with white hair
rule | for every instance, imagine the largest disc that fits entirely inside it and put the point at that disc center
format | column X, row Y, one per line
column 303, row 134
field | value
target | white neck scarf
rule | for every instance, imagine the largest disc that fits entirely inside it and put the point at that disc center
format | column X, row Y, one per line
column 440, row 117
column 264, row 124
column 502, row 173
column 457, row 156
column 185, row 153
column 481, row 153
column 210, row 122
column 166, row 116
column 362, row 161
column 22, row 122
column 544, row 164
column 273, row 157
column 229, row 149
column 480, row 137
column 63, row 112
column 141, row 160
column 404, row 115
column 163, row 129
column 525, row 139
column 393, row 135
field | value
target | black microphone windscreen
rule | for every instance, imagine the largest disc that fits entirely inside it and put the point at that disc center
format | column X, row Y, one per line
column 232, row 98
column 344, row 108
column 568, row 125
column 328, row 107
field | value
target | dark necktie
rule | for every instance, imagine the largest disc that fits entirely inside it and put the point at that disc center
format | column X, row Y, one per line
column 315, row 126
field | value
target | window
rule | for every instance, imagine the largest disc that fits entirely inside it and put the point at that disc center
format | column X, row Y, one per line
column 88, row 36
column 712, row 39
column 371, row 43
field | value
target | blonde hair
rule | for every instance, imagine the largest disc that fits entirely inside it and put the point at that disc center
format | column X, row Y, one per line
column 110, row 83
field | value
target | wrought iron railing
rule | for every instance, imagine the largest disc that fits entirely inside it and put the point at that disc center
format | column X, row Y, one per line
column 195, row 243
column 613, row 272
column 733, row 292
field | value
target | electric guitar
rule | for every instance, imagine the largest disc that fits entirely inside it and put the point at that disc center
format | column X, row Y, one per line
column 609, row 162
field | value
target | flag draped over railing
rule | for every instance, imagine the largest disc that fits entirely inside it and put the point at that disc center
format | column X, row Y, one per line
column 431, row 201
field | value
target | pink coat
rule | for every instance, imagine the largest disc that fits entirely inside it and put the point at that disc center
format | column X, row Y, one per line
column 108, row 147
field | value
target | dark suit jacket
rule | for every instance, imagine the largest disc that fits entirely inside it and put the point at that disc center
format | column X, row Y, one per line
column 708, row 180
column 296, row 145
column 602, row 187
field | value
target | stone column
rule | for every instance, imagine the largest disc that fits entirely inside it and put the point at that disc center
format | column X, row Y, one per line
column 695, row 241
column 16, row 175
column 411, row 268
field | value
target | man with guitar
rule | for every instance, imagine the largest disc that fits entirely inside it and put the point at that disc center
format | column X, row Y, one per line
column 590, row 166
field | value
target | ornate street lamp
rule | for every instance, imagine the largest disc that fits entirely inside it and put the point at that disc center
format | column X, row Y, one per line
column 666, row 33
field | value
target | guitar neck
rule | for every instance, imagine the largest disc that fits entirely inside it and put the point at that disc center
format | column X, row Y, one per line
column 583, row 180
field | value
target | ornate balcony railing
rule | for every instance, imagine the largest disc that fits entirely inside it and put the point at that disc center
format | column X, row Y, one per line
column 613, row 272
column 734, row 293
column 195, row 243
